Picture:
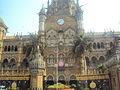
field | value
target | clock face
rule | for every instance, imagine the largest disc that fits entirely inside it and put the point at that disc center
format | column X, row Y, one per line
column 60, row 21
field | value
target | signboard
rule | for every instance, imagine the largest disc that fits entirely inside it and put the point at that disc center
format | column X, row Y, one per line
column 61, row 65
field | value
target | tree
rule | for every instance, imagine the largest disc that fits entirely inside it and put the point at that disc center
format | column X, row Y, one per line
column 81, row 45
column 32, row 43
column 58, row 85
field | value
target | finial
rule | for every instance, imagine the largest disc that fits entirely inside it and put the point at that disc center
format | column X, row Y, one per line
column 48, row 3
column 42, row 10
column 42, row 5
column 77, row 2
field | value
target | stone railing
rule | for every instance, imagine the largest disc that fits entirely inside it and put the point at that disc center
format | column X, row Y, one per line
column 14, row 72
column 93, row 74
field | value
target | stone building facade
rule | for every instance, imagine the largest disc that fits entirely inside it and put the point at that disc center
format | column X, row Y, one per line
column 58, row 26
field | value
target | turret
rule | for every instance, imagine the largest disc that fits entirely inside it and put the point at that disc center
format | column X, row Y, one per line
column 37, row 70
column 3, row 29
column 42, row 19
column 79, row 17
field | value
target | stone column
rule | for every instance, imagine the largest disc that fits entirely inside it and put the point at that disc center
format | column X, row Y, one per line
column 37, row 70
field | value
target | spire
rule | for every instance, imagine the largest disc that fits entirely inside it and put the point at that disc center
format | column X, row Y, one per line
column 42, row 10
column 77, row 2
column 48, row 3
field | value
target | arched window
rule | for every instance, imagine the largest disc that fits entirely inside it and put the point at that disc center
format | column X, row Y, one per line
column 73, row 77
column 98, row 45
column 71, row 58
column 12, row 63
column 101, row 59
column 93, row 61
column 61, row 57
column 5, row 48
column 102, row 45
column 87, row 61
column 50, row 78
column 94, row 46
column 61, row 77
column 5, row 63
column 51, row 59
column 16, row 48
column 25, row 63
column 8, row 48
column 111, row 44
column 12, row 48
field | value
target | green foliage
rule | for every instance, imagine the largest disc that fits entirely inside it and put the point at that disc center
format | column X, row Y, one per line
column 14, row 89
column 86, row 89
column 100, row 66
column 30, row 46
column 58, row 85
column 73, row 86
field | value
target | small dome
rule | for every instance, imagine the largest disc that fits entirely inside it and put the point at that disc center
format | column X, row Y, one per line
column 1, row 21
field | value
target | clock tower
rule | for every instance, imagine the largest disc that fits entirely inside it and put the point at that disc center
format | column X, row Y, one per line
column 59, row 25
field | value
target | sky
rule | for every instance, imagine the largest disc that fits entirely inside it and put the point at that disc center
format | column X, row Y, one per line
column 21, row 16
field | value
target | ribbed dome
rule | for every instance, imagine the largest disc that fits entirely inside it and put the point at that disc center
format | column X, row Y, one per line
column 1, row 21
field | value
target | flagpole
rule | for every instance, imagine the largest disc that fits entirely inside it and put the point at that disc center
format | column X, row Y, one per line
column 57, row 64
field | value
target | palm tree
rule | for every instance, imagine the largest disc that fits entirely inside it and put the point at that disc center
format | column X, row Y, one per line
column 81, row 45
column 32, row 43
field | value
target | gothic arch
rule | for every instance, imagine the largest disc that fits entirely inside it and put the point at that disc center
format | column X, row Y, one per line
column 61, row 57
column 12, row 48
column 51, row 59
column 50, row 77
column 5, row 63
column 98, row 45
column 5, row 48
column 16, row 48
column 51, row 34
column 61, row 78
column 12, row 63
column 101, row 59
column 25, row 63
column 72, row 77
column 69, row 33
column 102, row 45
column 94, row 46
column 111, row 44
column 51, row 30
column 8, row 48
column 87, row 61
column 71, row 58
column 93, row 61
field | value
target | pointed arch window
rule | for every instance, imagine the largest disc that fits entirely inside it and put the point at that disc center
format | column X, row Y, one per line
column 94, row 46
column 16, row 48
column 5, row 48
column 98, row 45
column 102, row 45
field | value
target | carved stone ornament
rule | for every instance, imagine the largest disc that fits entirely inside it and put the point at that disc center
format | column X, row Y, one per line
column 92, row 84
